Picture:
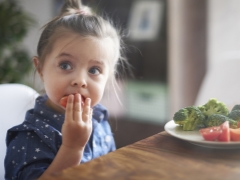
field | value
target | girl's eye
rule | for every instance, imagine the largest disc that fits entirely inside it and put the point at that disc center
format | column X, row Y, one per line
column 94, row 71
column 65, row 66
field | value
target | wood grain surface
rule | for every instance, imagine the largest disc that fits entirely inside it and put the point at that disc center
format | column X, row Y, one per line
column 159, row 157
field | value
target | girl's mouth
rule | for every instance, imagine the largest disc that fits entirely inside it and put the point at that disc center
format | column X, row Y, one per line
column 64, row 99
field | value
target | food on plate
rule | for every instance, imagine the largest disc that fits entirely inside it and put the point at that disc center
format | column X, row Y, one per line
column 189, row 118
column 212, row 113
column 218, row 119
column 235, row 134
column 213, row 106
column 216, row 133
column 225, row 135
column 63, row 101
column 234, row 115
column 213, row 120
column 221, row 133
column 211, row 133
column 236, row 107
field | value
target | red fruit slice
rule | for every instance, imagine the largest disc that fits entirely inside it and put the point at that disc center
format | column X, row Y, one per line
column 225, row 135
column 63, row 101
column 211, row 133
column 235, row 134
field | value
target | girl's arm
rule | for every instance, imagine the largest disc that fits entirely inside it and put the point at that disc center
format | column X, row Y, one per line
column 76, row 131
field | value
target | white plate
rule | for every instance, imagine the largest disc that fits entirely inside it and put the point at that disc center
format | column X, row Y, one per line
column 195, row 137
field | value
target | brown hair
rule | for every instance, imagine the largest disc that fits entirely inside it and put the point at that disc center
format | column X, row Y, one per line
column 79, row 19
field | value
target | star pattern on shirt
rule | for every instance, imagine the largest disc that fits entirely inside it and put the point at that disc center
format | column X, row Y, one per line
column 43, row 132
column 37, row 150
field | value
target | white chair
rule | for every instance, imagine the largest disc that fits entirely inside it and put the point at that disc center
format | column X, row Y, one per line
column 15, row 100
column 221, row 82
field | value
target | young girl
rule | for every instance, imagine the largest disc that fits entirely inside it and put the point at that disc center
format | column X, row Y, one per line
column 77, row 56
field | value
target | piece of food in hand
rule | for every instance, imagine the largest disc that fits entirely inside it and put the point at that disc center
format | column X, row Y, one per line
column 216, row 133
column 218, row 119
column 189, row 118
column 63, row 101
column 213, row 106
column 235, row 134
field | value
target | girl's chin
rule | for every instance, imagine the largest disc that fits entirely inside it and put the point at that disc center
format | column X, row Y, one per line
column 54, row 106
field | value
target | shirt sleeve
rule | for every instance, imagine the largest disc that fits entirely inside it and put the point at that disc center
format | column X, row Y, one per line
column 27, row 156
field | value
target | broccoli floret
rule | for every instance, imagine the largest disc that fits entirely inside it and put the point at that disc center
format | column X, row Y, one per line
column 234, row 115
column 236, row 107
column 189, row 117
column 218, row 119
column 213, row 106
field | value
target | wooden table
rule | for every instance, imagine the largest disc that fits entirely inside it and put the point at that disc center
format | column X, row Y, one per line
column 159, row 157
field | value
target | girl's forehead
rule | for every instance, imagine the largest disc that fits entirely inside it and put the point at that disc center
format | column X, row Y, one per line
column 76, row 43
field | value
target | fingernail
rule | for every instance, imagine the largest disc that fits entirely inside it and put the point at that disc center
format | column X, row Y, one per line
column 88, row 101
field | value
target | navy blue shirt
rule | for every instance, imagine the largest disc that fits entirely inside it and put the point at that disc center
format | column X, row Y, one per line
column 32, row 145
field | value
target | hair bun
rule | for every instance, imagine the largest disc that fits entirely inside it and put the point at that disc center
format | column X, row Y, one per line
column 74, row 7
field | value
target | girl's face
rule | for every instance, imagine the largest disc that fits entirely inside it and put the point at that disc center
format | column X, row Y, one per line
column 76, row 65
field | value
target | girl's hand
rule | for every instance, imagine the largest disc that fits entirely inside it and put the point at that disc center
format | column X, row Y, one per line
column 77, row 126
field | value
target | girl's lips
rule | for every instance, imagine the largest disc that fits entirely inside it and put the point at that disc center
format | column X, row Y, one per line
column 64, row 99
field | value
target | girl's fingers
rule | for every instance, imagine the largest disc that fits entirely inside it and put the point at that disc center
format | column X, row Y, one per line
column 69, row 108
column 77, row 107
column 86, row 114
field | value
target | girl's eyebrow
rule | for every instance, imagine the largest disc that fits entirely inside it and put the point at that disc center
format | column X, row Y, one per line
column 94, row 61
column 65, row 54
column 98, row 62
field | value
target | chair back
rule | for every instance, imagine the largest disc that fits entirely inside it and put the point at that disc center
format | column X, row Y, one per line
column 15, row 100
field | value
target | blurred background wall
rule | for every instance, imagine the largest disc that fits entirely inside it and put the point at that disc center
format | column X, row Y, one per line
column 171, row 44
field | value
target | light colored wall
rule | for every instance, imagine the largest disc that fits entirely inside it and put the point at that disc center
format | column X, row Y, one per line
column 42, row 12
column 223, row 30
column 186, row 51
column 186, row 40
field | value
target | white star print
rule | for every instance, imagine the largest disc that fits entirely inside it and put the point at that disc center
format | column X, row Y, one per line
column 54, row 115
column 101, row 116
column 23, row 147
column 45, row 136
column 41, row 112
column 37, row 150
column 46, row 125
column 34, row 157
column 25, row 163
column 13, row 147
column 24, row 125
column 37, row 120
column 108, row 138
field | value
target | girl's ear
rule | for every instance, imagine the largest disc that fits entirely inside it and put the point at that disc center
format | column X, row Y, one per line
column 37, row 66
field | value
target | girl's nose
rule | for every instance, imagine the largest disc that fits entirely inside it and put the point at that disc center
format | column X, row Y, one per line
column 79, row 82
